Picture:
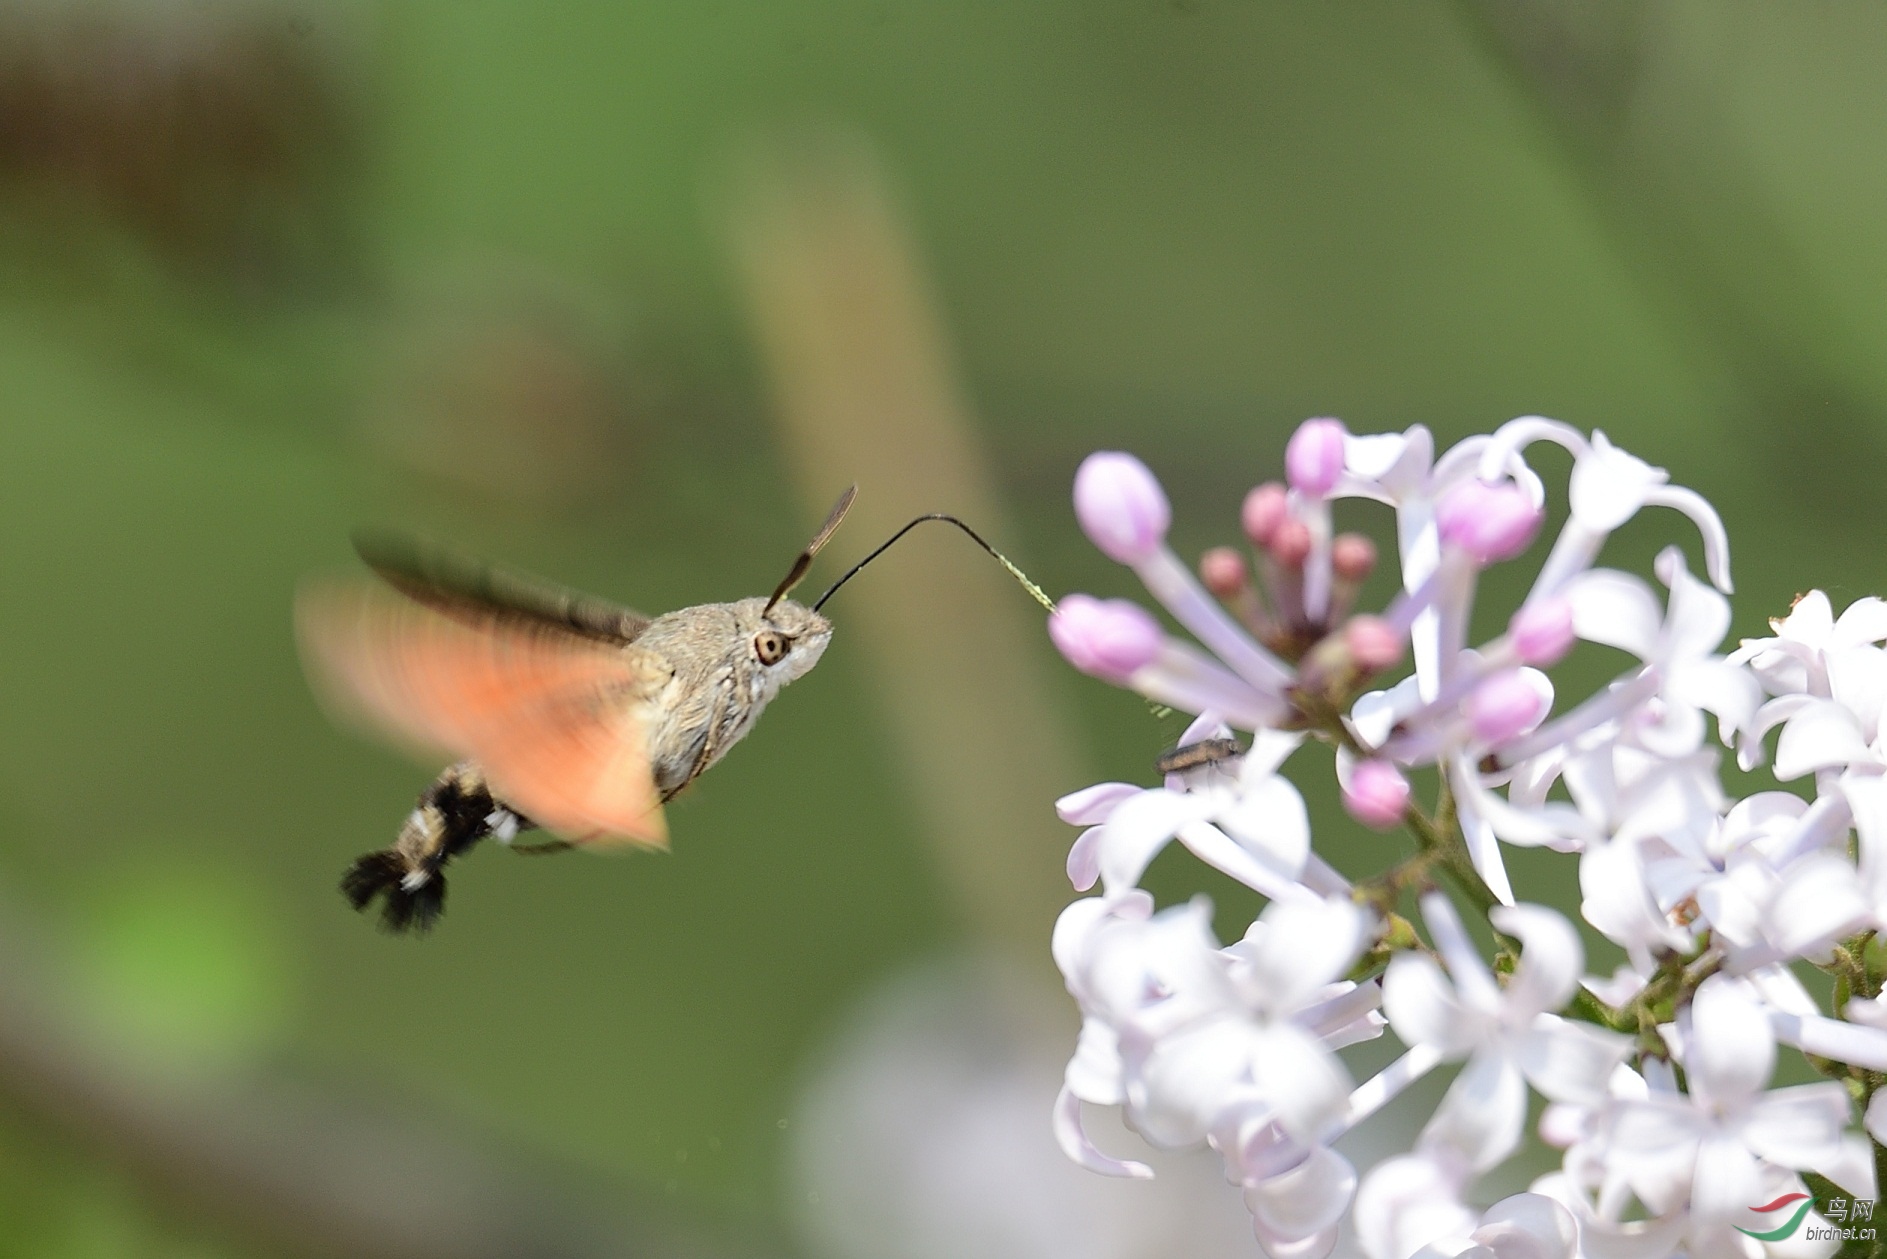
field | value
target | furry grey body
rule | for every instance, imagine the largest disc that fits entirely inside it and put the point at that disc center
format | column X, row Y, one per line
column 717, row 684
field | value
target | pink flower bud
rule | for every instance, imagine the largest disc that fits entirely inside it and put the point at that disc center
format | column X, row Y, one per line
column 1377, row 795
column 1542, row 632
column 1290, row 543
column 1265, row 509
column 1313, row 459
column 1121, row 507
column 1223, row 571
column 1352, row 556
column 1372, row 643
column 1505, row 705
column 1108, row 640
column 1489, row 522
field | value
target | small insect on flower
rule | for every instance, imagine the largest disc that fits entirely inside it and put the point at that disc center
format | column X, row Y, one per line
column 1178, row 760
column 566, row 712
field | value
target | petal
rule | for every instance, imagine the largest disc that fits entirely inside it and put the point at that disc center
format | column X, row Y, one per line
column 1725, row 1185
column 1084, row 858
column 1483, row 843
column 1852, row 1168
column 1316, row 1246
column 1571, row 1062
column 1091, row 805
column 1398, row 461
column 1732, row 1049
column 1075, row 928
column 1482, row 1115
column 1375, row 713
column 1608, row 485
column 1550, row 962
column 1863, row 621
column 1811, row 619
column 1075, row 1144
column 1297, row 947
column 1822, row 735
column 1302, row 1080
column 1698, row 616
column 1857, row 680
column 1716, row 686
column 1269, row 820
column 1529, row 1226
column 1710, row 529
column 1819, row 902
column 1798, row 1127
column 1616, row 902
column 1866, row 795
column 1658, row 1134
column 1137, row 830
column 1190, row 1077
column 1472, row 978
column 1157, row 975
column 1305, row 1200
column 1423, row 1008
column 1214, row 847
column 1207, row 725
column 1768, row 717
column 1405, row 1203
column 1094, row 1072
column 1616, row 609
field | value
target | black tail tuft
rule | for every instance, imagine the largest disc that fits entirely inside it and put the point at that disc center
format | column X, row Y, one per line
column 383, row 874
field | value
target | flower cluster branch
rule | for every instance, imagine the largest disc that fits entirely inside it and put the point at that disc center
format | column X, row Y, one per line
column 1654, row 1079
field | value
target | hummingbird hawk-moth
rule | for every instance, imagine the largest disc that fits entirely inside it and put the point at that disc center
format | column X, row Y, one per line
column 562, row 711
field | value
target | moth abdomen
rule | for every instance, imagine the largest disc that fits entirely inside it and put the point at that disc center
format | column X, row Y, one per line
column 453, row 814
column 410, row 903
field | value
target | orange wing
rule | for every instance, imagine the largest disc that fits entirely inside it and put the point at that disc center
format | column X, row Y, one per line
column 554, row 720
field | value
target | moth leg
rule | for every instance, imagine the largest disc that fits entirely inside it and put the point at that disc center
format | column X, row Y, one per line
column 544, row 848
column 453, row 814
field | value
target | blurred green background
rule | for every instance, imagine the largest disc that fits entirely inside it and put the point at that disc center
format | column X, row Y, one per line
column 271, row 272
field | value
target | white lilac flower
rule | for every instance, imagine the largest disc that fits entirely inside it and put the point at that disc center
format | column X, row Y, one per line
column 1608, row 487
column 1677, row 644
column 1411, row 1207
column 1176, row 1028
column 1743, row 884
column 1509, row 1036
column 1795, row 661
column 1237, row 815
column 1705, row 1152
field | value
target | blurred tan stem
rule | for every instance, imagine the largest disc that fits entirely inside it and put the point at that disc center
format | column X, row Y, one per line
column 864, row 390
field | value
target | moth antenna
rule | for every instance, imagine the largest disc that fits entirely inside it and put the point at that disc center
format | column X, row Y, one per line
column 1034, row 590
column 819, row 539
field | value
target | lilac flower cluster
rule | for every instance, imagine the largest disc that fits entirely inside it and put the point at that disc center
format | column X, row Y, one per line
column 1655, row 1079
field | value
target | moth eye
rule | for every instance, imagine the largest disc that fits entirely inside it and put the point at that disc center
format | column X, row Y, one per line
column 770, row 646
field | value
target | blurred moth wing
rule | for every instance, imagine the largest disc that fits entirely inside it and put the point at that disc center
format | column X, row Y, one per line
column 556, row 719
column 562, row 710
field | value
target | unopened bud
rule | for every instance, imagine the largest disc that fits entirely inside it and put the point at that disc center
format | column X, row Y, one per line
column 1265, row 509
column 1377, row 795
column 1107, row 639
column 1313, row 459
column 1223, row 572
column 1121, row 506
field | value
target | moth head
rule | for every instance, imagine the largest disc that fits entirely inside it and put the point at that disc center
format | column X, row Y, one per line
column 784, row 639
